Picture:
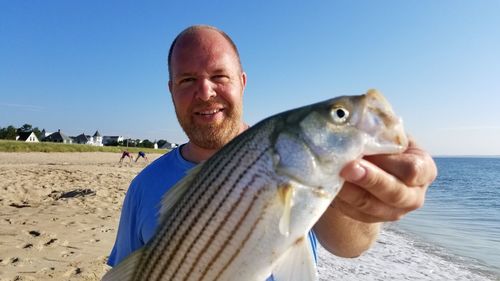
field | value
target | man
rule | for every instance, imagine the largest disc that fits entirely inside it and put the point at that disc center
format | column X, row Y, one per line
column 143, row 155
column 125, row 153
column 207, row 82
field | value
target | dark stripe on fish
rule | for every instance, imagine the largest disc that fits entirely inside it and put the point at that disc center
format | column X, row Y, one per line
column 205, row 228
column 210, row 189
column 190, row 212
column 249, row 234
column 149, row 261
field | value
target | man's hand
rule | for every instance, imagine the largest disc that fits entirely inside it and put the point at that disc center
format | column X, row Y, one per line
column 377, row 189
column 383, row 188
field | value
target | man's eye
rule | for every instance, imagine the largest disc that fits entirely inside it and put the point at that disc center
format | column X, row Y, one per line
column 186, row 80
column 220, row 78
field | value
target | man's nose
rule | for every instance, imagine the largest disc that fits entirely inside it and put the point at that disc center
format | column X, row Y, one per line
column 206, row 90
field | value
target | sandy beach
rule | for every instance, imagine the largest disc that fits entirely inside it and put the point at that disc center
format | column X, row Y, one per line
column 59, row 214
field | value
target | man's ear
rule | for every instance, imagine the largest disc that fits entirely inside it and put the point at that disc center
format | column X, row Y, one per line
column 170, row 85
column 243, row 79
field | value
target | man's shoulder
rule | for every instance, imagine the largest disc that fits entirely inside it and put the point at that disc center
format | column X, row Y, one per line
column 159, row 167
column 166, row 168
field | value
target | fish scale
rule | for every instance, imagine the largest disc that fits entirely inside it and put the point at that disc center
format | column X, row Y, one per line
column 224, row 193
column 217, row 226
column 237, row 201
column 217, row 247
column 244, row 214
column 187, row 206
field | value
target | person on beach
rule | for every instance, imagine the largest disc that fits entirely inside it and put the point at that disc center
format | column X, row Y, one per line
column 125, row 153
column 206, row 82
column 143, row 155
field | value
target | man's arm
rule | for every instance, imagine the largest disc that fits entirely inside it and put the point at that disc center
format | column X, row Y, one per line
column 344, row 236
column 378, row 188
column 127, row 239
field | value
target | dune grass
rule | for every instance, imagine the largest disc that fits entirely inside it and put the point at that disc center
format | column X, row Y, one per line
column 18, row 146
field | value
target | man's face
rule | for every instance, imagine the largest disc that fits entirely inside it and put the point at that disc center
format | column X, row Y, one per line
column 207, row 88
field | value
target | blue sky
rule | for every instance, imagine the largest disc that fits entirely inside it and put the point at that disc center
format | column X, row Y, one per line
column 80, row 66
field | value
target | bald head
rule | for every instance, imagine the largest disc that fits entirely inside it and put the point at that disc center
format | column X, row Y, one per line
column 195, row 32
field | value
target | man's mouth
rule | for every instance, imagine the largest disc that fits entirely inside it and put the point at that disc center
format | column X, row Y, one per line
column 209, row 112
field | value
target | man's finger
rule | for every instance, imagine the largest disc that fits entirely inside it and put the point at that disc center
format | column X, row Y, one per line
column 353, row 213
column 414, row 167
column 382, row 185
column 361, row 203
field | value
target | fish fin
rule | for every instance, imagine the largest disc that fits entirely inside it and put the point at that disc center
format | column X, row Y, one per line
column 125, row 270
column 286, row 192
column 297, row 264
column 173, row 195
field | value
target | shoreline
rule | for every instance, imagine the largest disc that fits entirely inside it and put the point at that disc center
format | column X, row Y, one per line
column 59, row 216
column 434, row 248
column 401, row 255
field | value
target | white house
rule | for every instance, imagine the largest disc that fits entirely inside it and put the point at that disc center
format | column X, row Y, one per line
column 95, row 140
column 46, row 134
column 169, row 145
column 27, row 137
column 58, row 137
column 111, row 139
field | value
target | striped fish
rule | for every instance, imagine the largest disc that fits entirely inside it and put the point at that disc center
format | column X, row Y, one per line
column 244, row 214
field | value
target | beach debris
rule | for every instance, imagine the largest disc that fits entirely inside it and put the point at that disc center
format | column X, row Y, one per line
column 50, row 242
column 20, row 205
column 79, row 192
column 73, row 271
column 245, row 213
column 34, row 233
column 55, row 163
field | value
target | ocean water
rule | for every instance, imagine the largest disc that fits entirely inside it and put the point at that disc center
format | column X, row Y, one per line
column 462, row 212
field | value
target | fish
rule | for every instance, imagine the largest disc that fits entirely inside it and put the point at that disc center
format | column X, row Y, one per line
column 245, row 213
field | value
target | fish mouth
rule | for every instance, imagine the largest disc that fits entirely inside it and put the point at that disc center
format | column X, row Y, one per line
column 384, row 129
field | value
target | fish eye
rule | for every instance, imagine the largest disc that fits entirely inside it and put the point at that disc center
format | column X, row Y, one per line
column 339, row 115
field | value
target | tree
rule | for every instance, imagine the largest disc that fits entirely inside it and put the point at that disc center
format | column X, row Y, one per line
column 25, row 128
column 161, row 143
column 129, row 142
column 114, row 143
column 38, row 133
column 147, row 143
column 8, row 133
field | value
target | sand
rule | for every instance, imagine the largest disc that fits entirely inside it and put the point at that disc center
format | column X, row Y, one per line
column 59, row 214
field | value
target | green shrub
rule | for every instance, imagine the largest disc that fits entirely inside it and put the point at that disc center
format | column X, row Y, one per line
column 19, row 146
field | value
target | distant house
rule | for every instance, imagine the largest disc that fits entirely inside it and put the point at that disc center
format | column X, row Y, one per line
column 45, row 134
column 95, row 140
column 106, row 140
column 58, row 137
column 27, row 137
column 81, row 139
column 169, row 145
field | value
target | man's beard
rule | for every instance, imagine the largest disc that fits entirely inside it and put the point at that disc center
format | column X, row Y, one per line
column 212, row 136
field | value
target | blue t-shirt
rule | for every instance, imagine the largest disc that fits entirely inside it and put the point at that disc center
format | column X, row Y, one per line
column 141, row 207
